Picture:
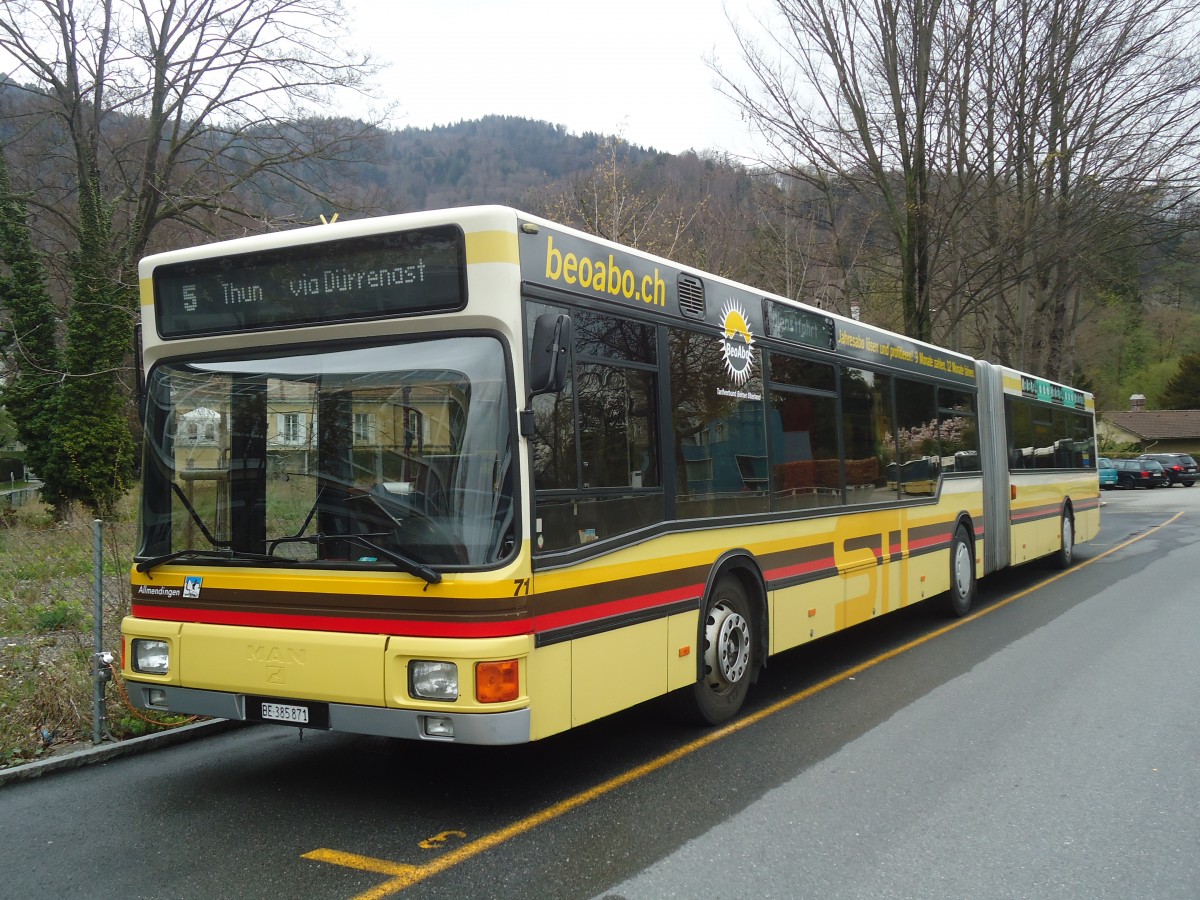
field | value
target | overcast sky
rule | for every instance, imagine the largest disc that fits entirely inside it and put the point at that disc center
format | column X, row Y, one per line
column 631, row 67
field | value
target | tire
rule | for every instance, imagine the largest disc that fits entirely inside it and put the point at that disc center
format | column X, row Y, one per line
column 957, row 601
column 1065, row 555
column 1188, row 483
column 1125, row 483
column 727, row 641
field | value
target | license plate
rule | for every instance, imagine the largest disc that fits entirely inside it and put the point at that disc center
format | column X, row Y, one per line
column 283, row 712
column 305, row 714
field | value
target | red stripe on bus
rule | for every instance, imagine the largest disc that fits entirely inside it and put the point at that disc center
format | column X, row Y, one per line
column 804, row 568
column 580, row 615
column 422, row 628
column 337, row 624
column 938, row 540
column 1033, row 513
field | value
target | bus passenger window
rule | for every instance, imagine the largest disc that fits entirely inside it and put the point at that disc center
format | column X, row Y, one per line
column 718, row 430
column 803, row 426
column 870, row 440
column 617, row 427
column 804, row 451
column 958, row 431
column 595, row 446
column 553, row 439
column 920, row 462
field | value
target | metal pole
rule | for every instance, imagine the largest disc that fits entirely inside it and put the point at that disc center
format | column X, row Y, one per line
column 97, row 630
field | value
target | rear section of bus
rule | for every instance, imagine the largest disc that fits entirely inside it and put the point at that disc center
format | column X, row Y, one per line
column 1038, row 442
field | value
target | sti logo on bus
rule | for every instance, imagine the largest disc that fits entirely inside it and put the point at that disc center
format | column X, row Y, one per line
column 738, row 343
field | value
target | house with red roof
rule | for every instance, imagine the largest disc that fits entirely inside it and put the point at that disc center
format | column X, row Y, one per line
column 1153, row 430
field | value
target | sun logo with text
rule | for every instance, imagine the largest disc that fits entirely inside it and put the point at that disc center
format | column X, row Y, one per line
column 738, row 343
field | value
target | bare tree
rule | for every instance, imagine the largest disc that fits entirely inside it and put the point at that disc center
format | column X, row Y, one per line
column 183, row 108
column 853, row 90
column 814, row 246
column 152, row 112
column 605, row 201
column 1099, row 111
column 1014, row 146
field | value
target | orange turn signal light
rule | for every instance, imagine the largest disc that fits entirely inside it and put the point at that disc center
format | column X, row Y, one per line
column 497, row 682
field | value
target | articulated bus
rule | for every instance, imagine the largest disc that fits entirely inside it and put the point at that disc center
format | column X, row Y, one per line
column 473, row 476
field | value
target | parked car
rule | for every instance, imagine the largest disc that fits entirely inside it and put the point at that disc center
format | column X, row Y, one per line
column 1180, row 468
column 1135, row 473
column 1157, row 472
column 1108, row 473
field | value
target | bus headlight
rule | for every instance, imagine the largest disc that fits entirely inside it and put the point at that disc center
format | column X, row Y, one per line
column 151, row 657
column 432, row 680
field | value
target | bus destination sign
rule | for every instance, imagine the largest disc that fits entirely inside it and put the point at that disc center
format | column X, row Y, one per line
column 800, row 326
column 1048, row 392
column 396, row 274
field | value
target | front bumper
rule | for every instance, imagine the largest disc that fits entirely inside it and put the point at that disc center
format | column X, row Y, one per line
column 508, row 727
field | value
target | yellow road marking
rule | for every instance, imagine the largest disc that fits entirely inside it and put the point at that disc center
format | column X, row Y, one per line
column 436, row 842
column 405, row 876
column 363, row 863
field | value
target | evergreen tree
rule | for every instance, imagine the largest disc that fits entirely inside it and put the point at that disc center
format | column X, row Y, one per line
column 33, row 381
column 94, row 450
column 1183, row 389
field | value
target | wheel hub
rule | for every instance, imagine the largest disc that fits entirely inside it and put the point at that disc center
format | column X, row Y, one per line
column 962, row 569
column 726, row 646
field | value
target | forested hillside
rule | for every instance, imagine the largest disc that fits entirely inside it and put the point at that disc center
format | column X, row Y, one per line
column 497, row 159
column 776, row 233
column 1031, row 202
column 1138, row 320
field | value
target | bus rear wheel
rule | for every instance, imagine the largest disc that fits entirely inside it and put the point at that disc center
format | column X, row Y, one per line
column 727, row 642
column 958, row 600
column 1066, row 551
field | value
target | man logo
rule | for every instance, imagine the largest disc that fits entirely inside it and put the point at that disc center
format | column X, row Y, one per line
column 738, row 343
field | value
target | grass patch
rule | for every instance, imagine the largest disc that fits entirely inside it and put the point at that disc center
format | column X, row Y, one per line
column 47, row 603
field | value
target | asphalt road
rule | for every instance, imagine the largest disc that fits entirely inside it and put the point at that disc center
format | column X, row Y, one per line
column 1045, row 747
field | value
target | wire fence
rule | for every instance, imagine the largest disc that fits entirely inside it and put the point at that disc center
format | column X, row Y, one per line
column 64, row 588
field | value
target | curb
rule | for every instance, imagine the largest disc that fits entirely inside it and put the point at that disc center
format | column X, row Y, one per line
column 105, row 752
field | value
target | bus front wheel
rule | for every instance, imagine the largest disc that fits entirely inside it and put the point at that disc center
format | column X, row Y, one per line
column 727, row 642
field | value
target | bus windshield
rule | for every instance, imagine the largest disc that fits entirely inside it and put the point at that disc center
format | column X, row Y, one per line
column 395, row 455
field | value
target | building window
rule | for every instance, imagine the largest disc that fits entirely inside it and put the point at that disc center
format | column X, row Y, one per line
column 291, row 428
column 364, row 428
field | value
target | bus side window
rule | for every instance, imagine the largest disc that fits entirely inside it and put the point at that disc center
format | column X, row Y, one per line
column 869, row 435
column 717, row 430
column 958, row 431
column 917, row 429
column 617, row 427
column 595, row 442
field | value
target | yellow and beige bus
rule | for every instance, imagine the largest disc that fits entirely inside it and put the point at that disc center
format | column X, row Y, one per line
column 473, row 476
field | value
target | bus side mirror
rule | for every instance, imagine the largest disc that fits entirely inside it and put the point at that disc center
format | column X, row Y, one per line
column 550, row 357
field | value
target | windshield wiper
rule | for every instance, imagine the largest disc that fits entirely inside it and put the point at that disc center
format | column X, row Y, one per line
column 402, row 562
column 147, row 564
